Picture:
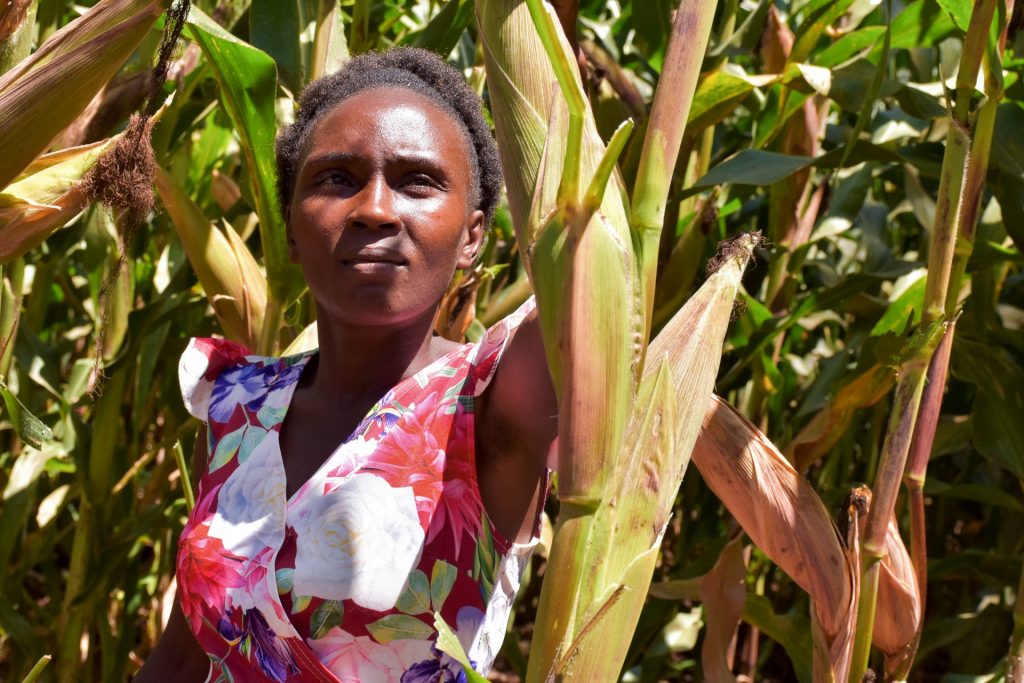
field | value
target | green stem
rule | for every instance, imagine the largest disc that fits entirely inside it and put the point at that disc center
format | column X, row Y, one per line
column 72, row 621
column 870, row 568
column 910, row 388
column 571, row 88
column 33, row 674
column 669, row 112
column 186, row 482
column 271, row 326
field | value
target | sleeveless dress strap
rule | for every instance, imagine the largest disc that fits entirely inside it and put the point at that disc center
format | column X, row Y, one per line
column 492, row 346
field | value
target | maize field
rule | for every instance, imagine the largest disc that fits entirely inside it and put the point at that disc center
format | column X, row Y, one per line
column 776, row 248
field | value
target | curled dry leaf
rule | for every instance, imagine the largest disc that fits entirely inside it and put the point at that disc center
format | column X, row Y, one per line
column 777, row 508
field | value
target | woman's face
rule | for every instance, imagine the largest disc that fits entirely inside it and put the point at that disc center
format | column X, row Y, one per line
column 380, row 216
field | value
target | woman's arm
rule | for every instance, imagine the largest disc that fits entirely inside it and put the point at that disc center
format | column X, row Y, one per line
column 177, row 657
column 516, row 424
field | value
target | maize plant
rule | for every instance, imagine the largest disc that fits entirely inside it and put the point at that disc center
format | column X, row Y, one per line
column 875, row 338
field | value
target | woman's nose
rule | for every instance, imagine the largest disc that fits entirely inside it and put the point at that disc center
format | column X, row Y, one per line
column 375, row 207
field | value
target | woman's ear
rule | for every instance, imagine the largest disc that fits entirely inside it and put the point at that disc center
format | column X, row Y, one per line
column 474, row 240
column 293, row 253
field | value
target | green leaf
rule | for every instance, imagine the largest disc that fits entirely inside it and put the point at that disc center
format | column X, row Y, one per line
column 717, row 95
column 27, row 426
column 792, row 631
column 19, row 498
column 448, row 643
column 442, row 578
column 329, row 614
column 848, row 45
column 811, row 30
column 959, row 11
column 754, row 167
column 921, row 23
column 905, row 309
column 415, row 598
column 442, row 34
column 247, row 88
column 275, row 27
column 979, row 493
column 399, row 627
column 998, row 430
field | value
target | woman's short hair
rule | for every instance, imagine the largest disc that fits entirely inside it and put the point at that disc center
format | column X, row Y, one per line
column 414, row 69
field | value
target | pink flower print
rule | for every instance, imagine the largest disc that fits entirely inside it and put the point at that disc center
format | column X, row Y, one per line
column 410, row 455
column 363, row 660
column 460, row 509
column 206, row 570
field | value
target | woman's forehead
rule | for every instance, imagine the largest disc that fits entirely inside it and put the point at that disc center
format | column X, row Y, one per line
column 398, row 117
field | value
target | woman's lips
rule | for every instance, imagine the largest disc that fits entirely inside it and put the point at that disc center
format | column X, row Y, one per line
column 374, row 261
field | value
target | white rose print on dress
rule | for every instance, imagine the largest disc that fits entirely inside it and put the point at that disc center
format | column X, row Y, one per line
column 358, row 542
column 250, row 505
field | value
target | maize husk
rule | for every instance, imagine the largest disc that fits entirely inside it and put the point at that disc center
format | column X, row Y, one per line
column 46, row 92
column 625, row 537
column 616, row 494
column 230, row 276
column 898, row 615
column 44, row 198
column 592, row 353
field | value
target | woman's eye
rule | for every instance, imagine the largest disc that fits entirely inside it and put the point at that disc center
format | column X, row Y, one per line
column 422, row 181
column 335, row 178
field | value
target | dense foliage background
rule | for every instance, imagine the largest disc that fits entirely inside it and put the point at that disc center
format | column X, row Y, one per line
column 93, row 496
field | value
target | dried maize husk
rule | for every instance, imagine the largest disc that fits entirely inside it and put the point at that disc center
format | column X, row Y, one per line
column 44, row 198
column 46, row 92
column 898, row 615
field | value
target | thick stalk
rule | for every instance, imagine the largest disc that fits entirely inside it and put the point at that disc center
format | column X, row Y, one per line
column 271, row 325
column 907, row 402
column 74, row 617
column 924, row 432
column 890, row 471
column 669, row 112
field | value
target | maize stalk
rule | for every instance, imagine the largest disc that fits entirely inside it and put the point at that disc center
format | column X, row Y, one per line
column 577, row 242
column 909, row 390
column 931, row 404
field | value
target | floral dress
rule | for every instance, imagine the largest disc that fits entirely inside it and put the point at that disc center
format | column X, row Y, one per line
column 341, row 581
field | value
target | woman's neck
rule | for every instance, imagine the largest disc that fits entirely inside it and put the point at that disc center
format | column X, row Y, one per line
column 358, row 361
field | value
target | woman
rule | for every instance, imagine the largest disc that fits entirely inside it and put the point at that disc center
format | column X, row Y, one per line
column 331, row 523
